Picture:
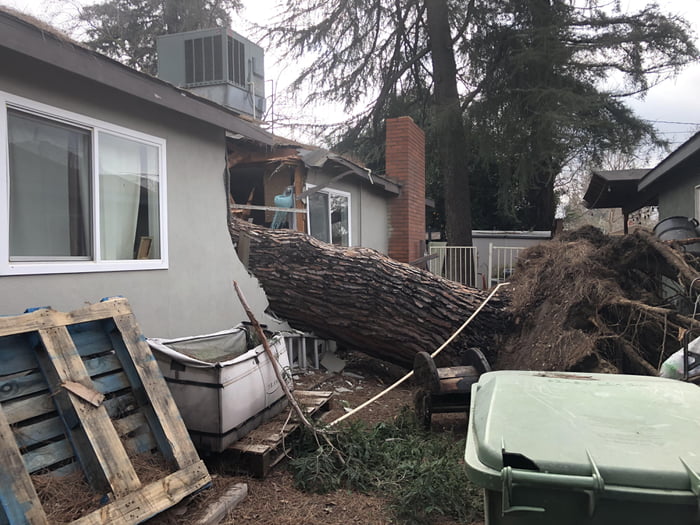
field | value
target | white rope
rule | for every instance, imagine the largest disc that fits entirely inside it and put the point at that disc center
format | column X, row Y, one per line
column 435, row 353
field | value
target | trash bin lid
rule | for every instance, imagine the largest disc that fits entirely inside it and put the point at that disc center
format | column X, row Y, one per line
column 639, row 431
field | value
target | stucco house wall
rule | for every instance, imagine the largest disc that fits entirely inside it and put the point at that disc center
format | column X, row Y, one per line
column 195, row 293
column 676, row 194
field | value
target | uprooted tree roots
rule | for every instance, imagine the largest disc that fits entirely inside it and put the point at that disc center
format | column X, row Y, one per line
column 596, row 303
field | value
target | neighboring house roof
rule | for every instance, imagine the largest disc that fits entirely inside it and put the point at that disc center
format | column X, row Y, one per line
column 33, row 39
column 633, row 189
column 678, row 157
column 617, row 189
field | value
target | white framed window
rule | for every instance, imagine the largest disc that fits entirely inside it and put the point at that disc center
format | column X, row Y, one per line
column 697, row 202
column 81, row 195
column 328, row 216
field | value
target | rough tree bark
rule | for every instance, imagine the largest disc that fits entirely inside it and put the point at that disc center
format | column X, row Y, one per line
column 365, row 300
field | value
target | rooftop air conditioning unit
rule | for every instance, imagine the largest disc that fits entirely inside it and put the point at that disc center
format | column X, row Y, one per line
column 218, row 64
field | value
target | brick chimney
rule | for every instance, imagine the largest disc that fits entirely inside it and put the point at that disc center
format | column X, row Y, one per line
column 405, row 163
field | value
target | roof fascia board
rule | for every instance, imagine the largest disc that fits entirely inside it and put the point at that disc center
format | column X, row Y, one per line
column 686, row 150
column 22, row 37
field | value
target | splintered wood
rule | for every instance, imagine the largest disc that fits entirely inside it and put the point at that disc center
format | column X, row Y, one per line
column 86, row 415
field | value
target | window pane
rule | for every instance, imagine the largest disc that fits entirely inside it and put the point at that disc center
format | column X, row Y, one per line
column 49, row 188
column 318, row 216
column 340, row 225
column 129, row 207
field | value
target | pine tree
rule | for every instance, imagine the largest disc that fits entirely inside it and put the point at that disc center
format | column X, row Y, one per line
column 534, row 80
column 126, row 30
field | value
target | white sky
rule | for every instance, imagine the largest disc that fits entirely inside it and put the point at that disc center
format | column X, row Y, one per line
column 673, row 105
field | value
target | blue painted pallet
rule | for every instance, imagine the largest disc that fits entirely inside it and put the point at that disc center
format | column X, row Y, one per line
column 49, row 425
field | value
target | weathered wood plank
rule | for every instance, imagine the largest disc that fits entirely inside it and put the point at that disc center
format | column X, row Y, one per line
column 30, row 435
column 19, row 385
column 18, row 356
column 252, row 448
column 448, row 372
column 228, row 501
column 17, row 495
column 96, row 443
column 151, row 499
column 102, row 365
column 130, row 423
column 158, row 405
column 34, row 406
column 111, row 383
column 43, row 457
column 48, row 318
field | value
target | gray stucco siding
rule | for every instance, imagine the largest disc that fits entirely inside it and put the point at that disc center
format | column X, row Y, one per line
column 374, row 220
column 195, row 294
column 677, row 194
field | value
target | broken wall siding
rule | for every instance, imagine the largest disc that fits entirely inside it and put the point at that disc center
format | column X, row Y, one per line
column 277, row 180
column 194, row 295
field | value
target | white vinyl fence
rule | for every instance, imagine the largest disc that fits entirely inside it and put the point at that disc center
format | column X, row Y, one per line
column 460, row 263
column 501, row 263
column 456, row 263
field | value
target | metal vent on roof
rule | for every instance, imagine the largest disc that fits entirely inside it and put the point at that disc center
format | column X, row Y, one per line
column 218, row 64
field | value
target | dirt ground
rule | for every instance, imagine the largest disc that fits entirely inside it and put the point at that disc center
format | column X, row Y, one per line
column 275, row 500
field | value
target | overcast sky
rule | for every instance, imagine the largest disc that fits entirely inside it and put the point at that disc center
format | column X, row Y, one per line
column 673, row 106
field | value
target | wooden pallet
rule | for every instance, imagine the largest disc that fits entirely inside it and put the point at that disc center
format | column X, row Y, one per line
column 269, row 444
column 81, row 391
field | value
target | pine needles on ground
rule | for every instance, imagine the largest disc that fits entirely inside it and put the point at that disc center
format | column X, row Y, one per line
column 422, row 473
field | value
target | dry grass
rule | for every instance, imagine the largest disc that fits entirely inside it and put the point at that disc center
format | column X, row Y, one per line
column 70, row 497
column 65, row 498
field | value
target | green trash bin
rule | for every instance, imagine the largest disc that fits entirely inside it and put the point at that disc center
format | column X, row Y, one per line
column 568, row 449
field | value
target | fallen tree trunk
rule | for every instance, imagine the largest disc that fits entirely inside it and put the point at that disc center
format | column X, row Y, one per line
column 365, row 300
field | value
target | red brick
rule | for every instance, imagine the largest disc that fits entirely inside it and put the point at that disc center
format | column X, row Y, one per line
column 405, row 163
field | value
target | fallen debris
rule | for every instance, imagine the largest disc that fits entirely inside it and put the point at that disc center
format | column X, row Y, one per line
column 595, row 303
column 332, row 363
column 219, row 509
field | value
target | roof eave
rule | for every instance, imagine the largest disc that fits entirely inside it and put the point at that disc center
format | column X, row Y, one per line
column 682, row 153
column 24, row 38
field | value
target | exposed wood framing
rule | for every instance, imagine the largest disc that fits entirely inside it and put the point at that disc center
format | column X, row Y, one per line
column 299, row 179
column 265, row 208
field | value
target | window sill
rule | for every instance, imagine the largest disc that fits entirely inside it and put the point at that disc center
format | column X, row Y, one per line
column 54, row 267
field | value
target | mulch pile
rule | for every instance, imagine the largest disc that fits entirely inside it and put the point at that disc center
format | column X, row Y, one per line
column 590, row 302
